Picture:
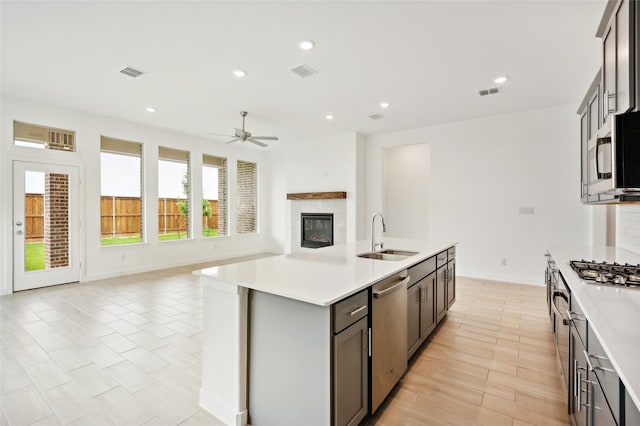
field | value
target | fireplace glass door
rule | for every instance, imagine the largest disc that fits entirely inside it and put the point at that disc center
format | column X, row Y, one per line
column 317, row 230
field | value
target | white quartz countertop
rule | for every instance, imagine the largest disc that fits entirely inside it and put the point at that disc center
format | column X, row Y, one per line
column 322, row 276
column 613, row 313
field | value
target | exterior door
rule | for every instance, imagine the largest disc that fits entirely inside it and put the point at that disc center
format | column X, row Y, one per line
column 46, row 225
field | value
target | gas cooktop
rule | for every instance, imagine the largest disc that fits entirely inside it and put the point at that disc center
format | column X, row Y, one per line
column 603, row 273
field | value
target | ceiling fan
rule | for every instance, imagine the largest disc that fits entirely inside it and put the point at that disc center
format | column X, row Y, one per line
column 244, row 136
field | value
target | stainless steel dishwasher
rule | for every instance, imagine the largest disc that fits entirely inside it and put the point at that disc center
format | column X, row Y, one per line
column 389, row 335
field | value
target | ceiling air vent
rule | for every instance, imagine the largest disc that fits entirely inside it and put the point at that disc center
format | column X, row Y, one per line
column 304, row 70
column 376, row 116
column 131, row 72
column 489, row 91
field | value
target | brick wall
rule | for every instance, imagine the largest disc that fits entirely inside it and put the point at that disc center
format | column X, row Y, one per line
column 222, row 198
column 247, row 194
column 56, row 225
column 60, row 140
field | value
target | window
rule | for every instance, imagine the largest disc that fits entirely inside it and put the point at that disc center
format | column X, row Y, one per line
column 246, row 198
column 173, row 194
column 120, row 191
column 214, row 196
column 34, row 136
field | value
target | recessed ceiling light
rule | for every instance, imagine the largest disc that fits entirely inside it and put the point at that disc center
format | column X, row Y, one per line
column 239, row 73
column 500, row 80
column 329, row 116
column 385, row 104
column 306, row 45
column 151, row 109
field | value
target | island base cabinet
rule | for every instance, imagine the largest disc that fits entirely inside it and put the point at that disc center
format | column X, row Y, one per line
column 350, row 374
column 421, row 319
column 451, row 283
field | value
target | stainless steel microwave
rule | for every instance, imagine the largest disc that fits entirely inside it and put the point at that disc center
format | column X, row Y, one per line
column 614, row 159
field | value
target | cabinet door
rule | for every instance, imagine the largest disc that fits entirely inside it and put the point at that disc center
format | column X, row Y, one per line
column 451, row 283
column 608, row 73
column 584, row 151
column 428, row 306
column 625, row 77
column 441, row 294
column 632, row 412
column 599, row 410
column 414, row 300
column 350, row 374
column 578, row 381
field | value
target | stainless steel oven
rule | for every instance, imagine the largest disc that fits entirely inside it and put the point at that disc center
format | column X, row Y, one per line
column 560, row 317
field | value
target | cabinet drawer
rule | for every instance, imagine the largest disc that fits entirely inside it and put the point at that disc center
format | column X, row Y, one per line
column 451, row 253
column 442, row 258
column 604, row 371
column 350, row 310
column 421, row 270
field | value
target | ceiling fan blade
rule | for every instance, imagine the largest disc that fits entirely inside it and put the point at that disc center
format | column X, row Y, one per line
column 233, row 140
column 266, row 138
column 264, row 145
column 220, row 134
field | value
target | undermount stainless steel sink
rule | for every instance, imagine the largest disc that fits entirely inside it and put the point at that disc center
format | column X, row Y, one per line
column 405, row 253
column 389, row 254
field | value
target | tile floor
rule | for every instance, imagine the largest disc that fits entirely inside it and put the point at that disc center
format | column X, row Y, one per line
column 120, row 351
column 127, row 351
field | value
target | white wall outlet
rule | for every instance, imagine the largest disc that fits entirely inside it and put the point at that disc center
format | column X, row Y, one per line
column 503, row 261
column 525, row 210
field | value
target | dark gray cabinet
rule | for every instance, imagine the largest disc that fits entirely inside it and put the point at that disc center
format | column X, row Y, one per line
column 421, row 319
column 350, row 374
column 618, row 32
column 441, row 293
column 451, row 283
column 631, row 411
column 350, row 359
column 590, row 122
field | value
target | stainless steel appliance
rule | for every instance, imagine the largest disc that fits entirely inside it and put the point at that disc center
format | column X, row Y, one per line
column 389, row 335
column 613, row 158
column 561, row 322
column 603, row 273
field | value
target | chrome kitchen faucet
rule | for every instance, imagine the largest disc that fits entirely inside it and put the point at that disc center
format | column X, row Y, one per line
column 373, row 235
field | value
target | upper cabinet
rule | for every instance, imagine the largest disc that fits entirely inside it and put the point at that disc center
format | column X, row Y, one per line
column 590, row 122
column 618, row 32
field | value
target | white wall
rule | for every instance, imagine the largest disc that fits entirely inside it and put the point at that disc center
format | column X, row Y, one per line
column 628, row 227
column 482, row 171
column 406, row 188
column 326, row 164
column 98, row 261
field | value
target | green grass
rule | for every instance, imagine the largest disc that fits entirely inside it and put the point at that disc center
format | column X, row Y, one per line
column 209, row 232
column 33, row 256
column 117, row 240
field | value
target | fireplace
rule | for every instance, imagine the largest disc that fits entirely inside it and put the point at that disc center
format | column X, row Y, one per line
column 316, row 230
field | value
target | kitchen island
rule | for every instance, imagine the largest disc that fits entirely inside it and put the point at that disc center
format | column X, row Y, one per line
column 267, row 329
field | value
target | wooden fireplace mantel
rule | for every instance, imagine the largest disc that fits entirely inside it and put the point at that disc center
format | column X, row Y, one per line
column 316, row 195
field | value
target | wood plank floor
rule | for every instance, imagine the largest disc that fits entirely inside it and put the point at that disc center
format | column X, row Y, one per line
column 492, row 362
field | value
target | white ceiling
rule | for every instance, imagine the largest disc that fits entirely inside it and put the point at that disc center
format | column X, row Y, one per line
column 428, row 58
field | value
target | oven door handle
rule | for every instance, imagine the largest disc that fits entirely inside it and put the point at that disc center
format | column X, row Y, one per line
column 565, row 321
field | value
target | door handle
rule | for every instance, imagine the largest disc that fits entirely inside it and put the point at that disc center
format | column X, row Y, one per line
column 18, row 223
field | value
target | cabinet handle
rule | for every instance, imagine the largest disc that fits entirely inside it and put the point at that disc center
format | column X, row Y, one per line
column 360, row 309
column 575, row 378
column 597, row 367
column 422, row 294
column 608, row 98
column 579, row 378
column 369, row 341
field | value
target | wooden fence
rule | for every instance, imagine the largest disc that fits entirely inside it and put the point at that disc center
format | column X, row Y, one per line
column 119, row 216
